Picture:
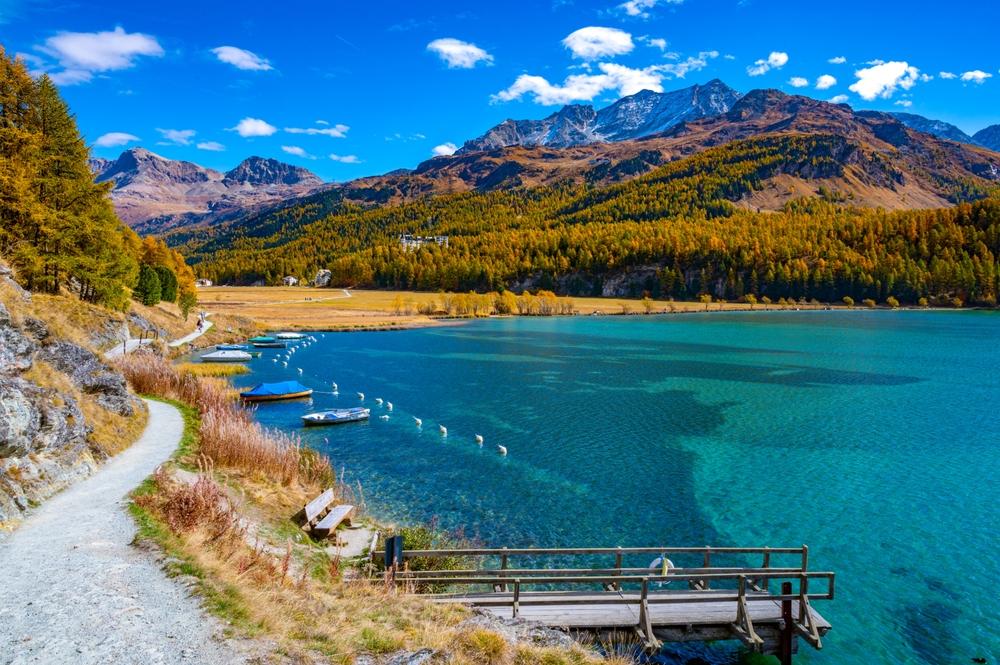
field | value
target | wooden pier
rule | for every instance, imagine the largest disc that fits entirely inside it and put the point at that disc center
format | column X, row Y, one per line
column 729, row 592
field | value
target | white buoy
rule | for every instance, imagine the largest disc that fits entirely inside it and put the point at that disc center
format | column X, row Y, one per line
column 418, row 421
column 361, row 396
column 300, row 371
column 285, row 364
column 388, row 405
column 479, row 439
column 334, row 386
column 378, row 400
column 443, row 429
column 502, row 450
column 383, row 417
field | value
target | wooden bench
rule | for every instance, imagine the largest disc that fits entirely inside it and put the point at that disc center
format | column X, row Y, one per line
column 315, row 508
column 336, row 516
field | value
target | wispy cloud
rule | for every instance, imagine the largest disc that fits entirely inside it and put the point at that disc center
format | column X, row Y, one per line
column 242, row 59
column 948, row 75
column 839, row 99
column 337, row 131
column 905, row 103
column 776, row 60
column 839, row 60
column 176, row 136
column 114, row 139
column 595, row 42
column 297, row 151
column 345, row 159
column 976, row 76
column 798, row 82
column 690, row 64
column 250, row 127
column 211, row 146
column 883, row 79
column 641, row 8
column 458, row 54
column 80, row 55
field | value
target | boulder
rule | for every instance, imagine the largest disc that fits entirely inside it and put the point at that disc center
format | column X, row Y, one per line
column 420, row 657
column 519, row 631
column 16, row 350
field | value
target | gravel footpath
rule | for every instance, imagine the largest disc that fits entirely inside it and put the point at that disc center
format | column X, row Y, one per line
column 73, row 589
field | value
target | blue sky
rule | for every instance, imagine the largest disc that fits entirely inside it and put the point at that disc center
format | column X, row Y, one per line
column 356, row 88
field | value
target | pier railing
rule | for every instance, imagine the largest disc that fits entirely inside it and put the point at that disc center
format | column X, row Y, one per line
column 612, row 582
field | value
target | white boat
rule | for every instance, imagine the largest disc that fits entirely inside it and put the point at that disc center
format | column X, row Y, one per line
column 336, row 416
column 289, row 335
column 226, row 357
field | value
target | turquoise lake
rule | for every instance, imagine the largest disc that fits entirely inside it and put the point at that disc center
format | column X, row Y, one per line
column 872, row 437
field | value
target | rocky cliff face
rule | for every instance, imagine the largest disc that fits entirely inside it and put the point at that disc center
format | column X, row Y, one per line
column 44, row 433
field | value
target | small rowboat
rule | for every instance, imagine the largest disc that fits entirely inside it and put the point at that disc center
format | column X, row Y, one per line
column 289, row 335
column 231, row 347
column 271, row 392
column 226, row 357
column 336, row 416
column 265, row 342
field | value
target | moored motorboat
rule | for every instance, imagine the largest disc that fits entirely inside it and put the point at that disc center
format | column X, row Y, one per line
column 270, row 392
column 289, row 335
column 266, row 342
column 336, row 416
column 226, row 357
column 231, row 347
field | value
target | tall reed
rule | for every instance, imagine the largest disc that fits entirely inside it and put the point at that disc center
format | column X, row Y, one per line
column 228, row 435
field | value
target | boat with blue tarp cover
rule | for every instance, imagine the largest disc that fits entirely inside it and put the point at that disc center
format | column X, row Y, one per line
column 270, row 392
column 336, row 416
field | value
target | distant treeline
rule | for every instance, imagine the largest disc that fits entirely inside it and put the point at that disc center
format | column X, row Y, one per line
column 674, row 232
column 57, row 227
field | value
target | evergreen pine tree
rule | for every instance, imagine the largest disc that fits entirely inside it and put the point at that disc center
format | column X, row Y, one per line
column 147, row 289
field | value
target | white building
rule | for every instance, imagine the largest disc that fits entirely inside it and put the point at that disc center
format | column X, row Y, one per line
column 290, row 281
column 412, row 243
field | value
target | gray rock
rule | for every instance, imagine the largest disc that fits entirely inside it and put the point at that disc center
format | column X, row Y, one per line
column 90, row 375
column 16, row 350
column 143, row 324
column 420, row 657
column 322, row 278
column 519, row 631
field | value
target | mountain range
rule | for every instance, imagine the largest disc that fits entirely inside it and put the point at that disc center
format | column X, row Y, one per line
column 891, row 160
column 154, row 194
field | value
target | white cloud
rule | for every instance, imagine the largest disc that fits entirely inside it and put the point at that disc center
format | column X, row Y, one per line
column 691, row 64
column 798, row 82
column 82, row 54
column 976, row 76
column 595, row 42
column 654, row 42
column 839, row 99
column 242, row 59
column 948, row 75
column 113, row 139
column 444, row 149
column 297, row 151
column 839, row 60
column 458, row 54
column 345, row 159
column 584, row 87
column 641, row 7
column 211, row 146
column 825, row 82
column 248, row 127
column 176, row 136
column 883, row 79
column 776, row 60
column 322, row 122
column 337, row 131
column 905, row 103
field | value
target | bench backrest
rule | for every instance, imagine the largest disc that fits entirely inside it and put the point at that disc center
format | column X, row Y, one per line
column 316, row 507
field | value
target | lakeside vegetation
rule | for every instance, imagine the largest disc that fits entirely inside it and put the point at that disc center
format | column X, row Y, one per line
column 676, row 232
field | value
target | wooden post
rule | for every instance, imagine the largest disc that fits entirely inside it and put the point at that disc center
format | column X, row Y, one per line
column 767, row 564
column 503, row 566
column 618, row 567
column 707, row 564
column 785, row 639
column 517, row 597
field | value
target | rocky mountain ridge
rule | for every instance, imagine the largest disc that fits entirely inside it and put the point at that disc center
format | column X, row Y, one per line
column 152, row 193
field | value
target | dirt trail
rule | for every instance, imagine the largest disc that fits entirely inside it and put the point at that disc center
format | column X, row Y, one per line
column 73, row 589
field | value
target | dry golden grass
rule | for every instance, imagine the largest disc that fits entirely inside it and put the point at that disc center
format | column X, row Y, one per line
column 165, row 315
column 110, row 433
column 329, row 309
column 212, row 369
column 67, row 317
column 228, row 434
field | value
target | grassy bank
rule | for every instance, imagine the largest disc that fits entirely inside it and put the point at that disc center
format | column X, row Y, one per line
column 222, row 512
column 334, row 309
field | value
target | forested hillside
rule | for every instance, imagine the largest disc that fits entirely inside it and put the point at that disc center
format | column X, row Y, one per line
column 58, row 228
column 675, row 232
